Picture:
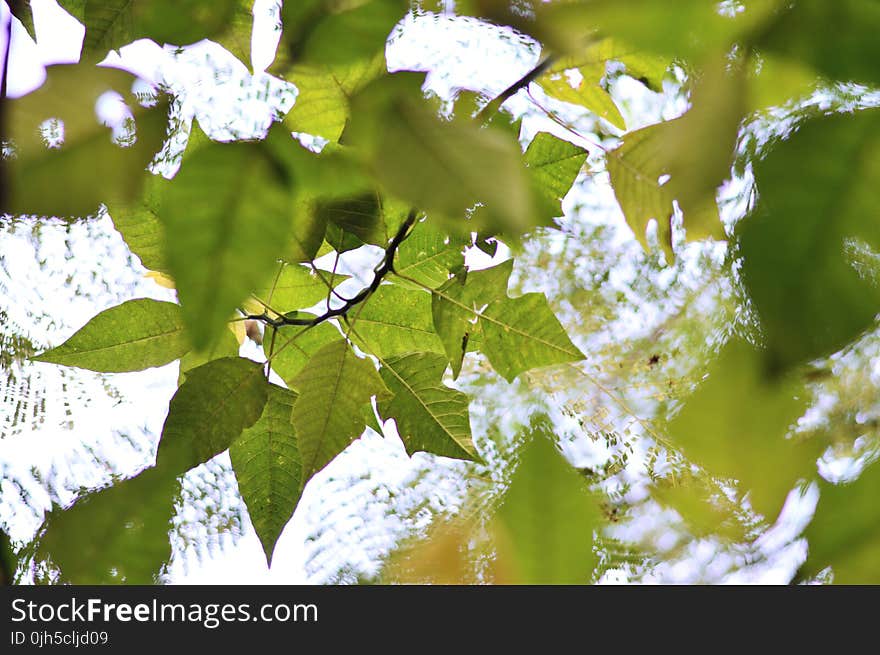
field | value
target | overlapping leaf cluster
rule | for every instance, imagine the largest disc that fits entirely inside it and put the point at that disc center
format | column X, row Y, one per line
column 237, row 230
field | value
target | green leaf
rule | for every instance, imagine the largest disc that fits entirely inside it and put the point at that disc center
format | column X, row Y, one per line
column 337, row 33
column 227, row 221
column 456, row 305
column 353, row 34
column 438, row 166
column 307, row 232
column 395, row 213
column 296, row 287
column 695, row 152
column 75, row 8
column 358, row 221
column 327, row 415
column 638, row 169
column 297, row 19
column 395, row 320
column 87, row 168
column 267, row 465
column 548, row 516
column 706, row 512
column 111, row 24
column 210, row 409
column 226, row 346
column 117, row 535
column 554, row 165
column 845, row 531
column 694, row 30
column 487, row 243
column 587, row 92
column 21, row 9
column 335, row 172
column 135, row 335
column 371, row 420
column 699, row 147
column 818, row 196
column 428, row 255
column 139, row 224
column 522, row 333
column 237, row 33
column 647, row 68
column 294, row 347
column 848, row 46
column 332, row 175
column 774, row 80
column 430, row 416
column 736, row 423
column 323, row 106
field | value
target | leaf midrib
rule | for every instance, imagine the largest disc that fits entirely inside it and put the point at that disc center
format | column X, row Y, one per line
column 326, row 417
column 483, row 316
column 421, row 402
column 161, row 335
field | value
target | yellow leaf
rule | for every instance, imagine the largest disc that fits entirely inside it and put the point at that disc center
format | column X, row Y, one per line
column 239, row 330
column 161, row 279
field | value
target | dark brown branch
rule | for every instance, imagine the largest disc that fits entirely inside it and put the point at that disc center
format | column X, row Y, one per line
column 6, row 49
column 379, row 273
column 4, row 80
column 521, row 83
column 7, row 561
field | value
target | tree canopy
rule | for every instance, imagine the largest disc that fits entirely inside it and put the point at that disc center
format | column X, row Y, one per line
column 753, row 242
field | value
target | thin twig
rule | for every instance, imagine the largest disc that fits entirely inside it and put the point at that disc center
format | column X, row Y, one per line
column 487, row 111
column 320, row 274
column 387, row 266
column 332, row 278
